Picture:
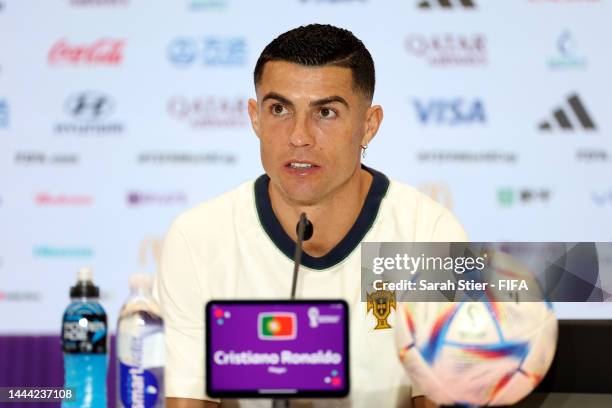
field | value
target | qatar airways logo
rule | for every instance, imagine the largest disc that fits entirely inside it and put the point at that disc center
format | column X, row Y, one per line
column 105, row 52
column 209, row 111
column 448, row 49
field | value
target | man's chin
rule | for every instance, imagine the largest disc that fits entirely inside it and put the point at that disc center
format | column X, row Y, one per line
column 302, row 199
column 300, row 195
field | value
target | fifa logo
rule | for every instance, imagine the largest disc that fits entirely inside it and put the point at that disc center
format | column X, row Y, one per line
column 381, row 302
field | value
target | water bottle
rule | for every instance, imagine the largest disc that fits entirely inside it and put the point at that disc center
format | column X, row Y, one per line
column 84, row 343
column 140, row 348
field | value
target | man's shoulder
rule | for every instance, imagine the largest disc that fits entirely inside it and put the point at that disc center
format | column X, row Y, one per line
column 406, row 197
column 430, row 219
column 216, row 214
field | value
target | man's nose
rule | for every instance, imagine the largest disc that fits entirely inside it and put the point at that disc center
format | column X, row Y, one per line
column 301, row 133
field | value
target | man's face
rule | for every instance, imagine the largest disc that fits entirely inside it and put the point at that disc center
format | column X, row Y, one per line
column 311, row 123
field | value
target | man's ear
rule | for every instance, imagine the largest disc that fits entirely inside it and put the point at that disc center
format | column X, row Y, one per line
column 254, row 115
column 373, row 119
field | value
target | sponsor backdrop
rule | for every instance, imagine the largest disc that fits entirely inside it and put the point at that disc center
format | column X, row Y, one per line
column 117, row 115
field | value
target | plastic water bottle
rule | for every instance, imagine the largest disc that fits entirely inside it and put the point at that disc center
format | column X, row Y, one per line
column 140, row 348
column 84, row 342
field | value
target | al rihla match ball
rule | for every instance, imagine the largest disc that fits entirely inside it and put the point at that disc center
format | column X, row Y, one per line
column 476, row 352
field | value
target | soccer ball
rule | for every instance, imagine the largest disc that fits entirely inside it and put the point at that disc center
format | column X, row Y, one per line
column 476, row 353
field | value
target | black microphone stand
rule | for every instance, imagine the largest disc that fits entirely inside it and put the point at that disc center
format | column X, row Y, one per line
column 304, row 233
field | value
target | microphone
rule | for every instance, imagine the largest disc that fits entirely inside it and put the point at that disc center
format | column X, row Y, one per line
column 308, row 229
column 304, row 230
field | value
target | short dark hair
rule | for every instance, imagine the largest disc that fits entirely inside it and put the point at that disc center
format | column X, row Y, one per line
column 318, row 45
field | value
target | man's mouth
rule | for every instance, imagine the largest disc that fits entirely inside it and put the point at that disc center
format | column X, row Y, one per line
column 301, row 168
column 300, row 165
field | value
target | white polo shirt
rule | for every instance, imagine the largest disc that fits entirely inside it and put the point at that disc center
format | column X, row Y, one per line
column 233, row 247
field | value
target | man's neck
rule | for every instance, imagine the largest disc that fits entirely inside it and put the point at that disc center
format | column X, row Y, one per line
column 332, row 219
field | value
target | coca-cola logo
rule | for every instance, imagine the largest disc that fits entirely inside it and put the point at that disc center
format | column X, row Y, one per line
column 101, row 52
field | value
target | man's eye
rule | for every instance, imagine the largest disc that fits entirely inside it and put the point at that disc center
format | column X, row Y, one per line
column 278, row 109
column 327, row 113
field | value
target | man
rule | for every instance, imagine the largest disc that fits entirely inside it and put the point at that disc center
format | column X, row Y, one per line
column 313, row 116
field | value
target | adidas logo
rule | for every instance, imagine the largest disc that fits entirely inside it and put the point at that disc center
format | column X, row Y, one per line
column 580, row 118
column 427, row 4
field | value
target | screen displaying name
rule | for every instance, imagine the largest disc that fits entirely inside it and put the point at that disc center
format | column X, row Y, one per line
column 277, row 348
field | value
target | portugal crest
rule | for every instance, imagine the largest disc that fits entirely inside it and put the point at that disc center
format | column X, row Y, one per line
column 381, row 302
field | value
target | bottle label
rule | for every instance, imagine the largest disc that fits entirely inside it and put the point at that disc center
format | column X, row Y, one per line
column 84, row 333
column 139, row 387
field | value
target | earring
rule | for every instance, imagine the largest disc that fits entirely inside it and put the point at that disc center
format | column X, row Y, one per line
column 363, row 151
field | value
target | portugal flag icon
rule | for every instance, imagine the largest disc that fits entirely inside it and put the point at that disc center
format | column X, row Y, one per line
column 277, row 326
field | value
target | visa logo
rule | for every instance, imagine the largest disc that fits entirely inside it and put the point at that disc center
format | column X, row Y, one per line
column 450, row 112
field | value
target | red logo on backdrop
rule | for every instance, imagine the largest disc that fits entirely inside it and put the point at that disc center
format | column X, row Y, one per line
column 46, row 199
column 101, row 52
column 20, row 296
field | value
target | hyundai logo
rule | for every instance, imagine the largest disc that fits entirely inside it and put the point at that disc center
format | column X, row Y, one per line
column 89, row 106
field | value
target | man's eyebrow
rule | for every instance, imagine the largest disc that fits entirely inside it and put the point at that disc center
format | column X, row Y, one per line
column 318, row 102
column 278, row 97
column 330, row 99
